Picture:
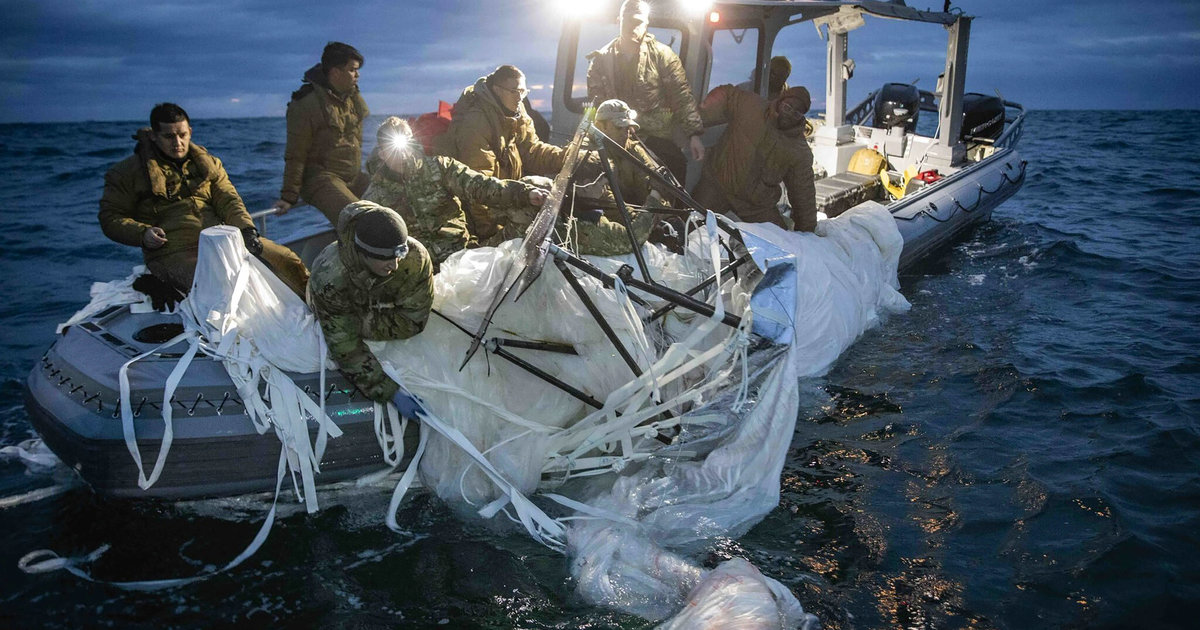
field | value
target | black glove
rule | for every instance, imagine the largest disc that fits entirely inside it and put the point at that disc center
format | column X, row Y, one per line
column 252, row 241
column 162, row 295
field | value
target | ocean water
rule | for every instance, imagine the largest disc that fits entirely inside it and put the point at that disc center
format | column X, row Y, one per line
column 1021, row 450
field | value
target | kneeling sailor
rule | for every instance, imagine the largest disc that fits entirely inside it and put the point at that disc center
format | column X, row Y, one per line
column 375, row 282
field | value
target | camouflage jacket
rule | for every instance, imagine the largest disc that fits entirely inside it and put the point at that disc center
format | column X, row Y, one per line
column 659, row 92
column 753, row 157
column 429, row 199
column 354, row 304
column 635, row 185
column 324, row 133
column 148, row 190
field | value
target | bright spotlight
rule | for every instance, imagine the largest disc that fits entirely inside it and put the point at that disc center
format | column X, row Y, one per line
column 578, row 9
column 399, row 142
column 696, row 7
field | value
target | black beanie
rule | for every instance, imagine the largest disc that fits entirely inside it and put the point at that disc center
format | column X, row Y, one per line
column 380, row 233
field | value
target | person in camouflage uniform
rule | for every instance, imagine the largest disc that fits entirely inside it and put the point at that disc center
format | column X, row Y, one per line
column 648, row 75
column 492, row 133
column 427, row 190
column 375, row 282
column 323, row 157
column 604, row 234
column 162, row 196
column 762, row 148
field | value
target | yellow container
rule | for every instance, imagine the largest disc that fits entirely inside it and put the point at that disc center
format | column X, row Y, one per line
column 867, row 162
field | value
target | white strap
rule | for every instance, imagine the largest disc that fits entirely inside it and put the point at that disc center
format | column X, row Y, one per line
column 45, row 560
column 127, row 427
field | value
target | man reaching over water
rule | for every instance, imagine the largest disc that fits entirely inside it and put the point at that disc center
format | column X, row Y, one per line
column 375, row 282
column 160, row 198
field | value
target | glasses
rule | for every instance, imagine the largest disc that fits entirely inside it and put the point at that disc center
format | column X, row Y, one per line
column 785, row 108
column 520, row 92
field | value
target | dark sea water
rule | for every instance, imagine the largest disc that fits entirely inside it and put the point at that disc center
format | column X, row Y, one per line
column 1021, row 450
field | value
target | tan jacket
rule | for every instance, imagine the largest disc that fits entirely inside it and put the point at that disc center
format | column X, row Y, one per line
column 485, row 138
column 753, row 157
column 660, row 91
column 148, row 190
column 324, row 133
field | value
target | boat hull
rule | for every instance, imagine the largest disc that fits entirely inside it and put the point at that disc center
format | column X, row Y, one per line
column 216, row 449
column 940, row 214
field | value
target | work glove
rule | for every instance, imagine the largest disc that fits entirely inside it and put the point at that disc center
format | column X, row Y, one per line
column 253, row 242
column 163, row 296
column 408, row 403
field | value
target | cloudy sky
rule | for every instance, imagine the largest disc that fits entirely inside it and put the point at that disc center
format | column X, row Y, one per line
column 76, row 60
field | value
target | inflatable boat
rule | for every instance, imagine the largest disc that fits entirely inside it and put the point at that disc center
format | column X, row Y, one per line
column 108, row 394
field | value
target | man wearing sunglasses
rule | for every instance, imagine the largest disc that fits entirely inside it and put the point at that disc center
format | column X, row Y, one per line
column 492, row 133
column 762, row 148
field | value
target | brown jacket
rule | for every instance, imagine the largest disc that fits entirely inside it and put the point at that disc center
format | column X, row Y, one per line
column 148, row 190
column 324, row 133
column 485, row 138
column 659, row 89
column 753, row 157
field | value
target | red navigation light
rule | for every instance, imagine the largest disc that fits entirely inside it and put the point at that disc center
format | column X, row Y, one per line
column 714, row 17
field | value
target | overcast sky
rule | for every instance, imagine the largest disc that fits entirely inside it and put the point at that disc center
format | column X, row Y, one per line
column 76, row 60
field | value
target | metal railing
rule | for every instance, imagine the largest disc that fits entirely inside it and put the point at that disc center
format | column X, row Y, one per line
column 1012, row 127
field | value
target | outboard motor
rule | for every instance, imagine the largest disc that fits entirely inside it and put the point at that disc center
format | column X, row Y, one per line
column 897, row 105
column 983, row 116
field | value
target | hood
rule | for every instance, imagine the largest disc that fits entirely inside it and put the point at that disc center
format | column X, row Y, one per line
column 480, row 95
column 151, row 158
column 314, row 77
column 799, row 93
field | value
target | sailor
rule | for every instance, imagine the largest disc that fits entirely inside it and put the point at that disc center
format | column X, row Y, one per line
column 777, row 77
column 426, row 190
column 324, row 135
column 375, row 282
column 762, row 147
column 603, row 233
column 617, row 120
column 649, row 76
column 170, row 189
column 492, row 133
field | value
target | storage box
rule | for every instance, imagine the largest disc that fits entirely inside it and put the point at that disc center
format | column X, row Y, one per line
column 839, row 193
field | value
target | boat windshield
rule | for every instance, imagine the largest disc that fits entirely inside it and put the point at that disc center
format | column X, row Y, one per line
column 735, row 57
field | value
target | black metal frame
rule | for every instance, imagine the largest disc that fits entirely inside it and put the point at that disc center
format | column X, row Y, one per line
column 564, row 260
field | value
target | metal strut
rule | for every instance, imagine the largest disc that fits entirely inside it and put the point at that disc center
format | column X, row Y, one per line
column 596, row 315
column 615, row 187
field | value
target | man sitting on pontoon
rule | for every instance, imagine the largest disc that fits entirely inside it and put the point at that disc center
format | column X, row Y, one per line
column 162, row 196
column 762, row 149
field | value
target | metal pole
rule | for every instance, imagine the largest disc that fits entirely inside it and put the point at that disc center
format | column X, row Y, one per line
column 615, row 187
